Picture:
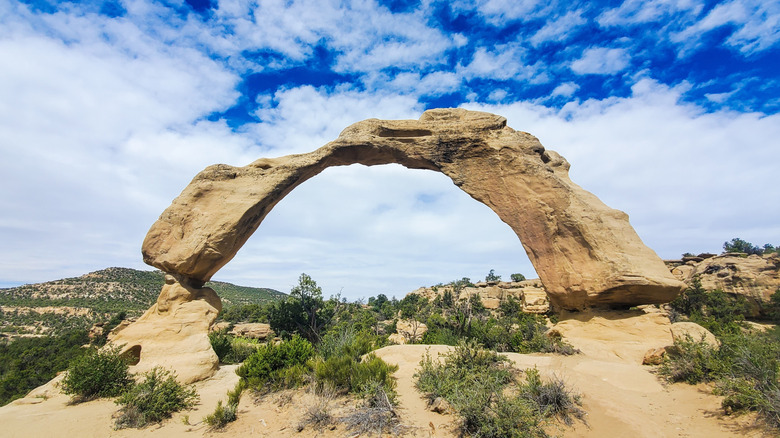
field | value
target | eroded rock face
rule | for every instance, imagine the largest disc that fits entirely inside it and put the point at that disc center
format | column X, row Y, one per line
column 529, row 293
column 585, row 253
column 173, row 333
column 754, row 277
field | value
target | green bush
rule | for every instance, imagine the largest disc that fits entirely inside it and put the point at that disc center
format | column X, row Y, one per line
column 27, row 363
column 745, row 369
column 517, row 277
column 240, row 350
column 154, row 399
column 282, row 365
column 221, row 344
column 349, row 374
column 482, row 388
column 100, row 373
column 221, row 416
column 552, row 398
column 715, row 310
column 692, row 361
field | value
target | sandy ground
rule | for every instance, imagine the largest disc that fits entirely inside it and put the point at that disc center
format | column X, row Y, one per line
column 622, row 397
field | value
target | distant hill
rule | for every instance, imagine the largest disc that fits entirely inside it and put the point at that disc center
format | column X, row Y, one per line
column 39, row 308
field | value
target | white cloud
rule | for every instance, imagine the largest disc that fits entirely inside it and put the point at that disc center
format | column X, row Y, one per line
column 602, row 61
column 566, row 89
column 558, row 29
column 97, row 137
column 306, row 118
column 689, row 179
column 757, row 24
column 503, row 62
column 499, row 12
column 646, row 11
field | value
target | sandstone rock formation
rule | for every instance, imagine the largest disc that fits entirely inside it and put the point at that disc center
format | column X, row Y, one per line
column 253, row 330
column 173, row 333
column 408, row 330
column 754, row 277
column 585, row 253
column 530, row 293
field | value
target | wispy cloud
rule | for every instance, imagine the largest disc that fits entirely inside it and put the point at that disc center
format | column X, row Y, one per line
column 601, row 61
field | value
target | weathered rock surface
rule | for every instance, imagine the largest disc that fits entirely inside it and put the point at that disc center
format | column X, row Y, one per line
column 685, row 330
column 408, row 330
column 754, row 277
column 254, row 330
column 173, row 333
column 586, row 254
column 530, row 293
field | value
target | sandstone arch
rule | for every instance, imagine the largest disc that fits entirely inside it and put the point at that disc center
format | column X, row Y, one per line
column 586, row 254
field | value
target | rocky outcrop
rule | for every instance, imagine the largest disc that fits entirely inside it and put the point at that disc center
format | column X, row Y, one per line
column 530, row 293
column 585, row 253
column 754, row 277
column 408, row 331
column 173, row 333
column 253, row 330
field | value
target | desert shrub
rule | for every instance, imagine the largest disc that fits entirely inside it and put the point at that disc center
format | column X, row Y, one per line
column 692, row 361
column 282, row 365
column 154, row 399
column 100, row 373
column 377, row 414
column 517, row 277
column 484, row 391
column 346, row 342
column 745, row 369
column 240, row 350
column 715, row 310
column 318, row 414
column 221, row 344
column 350, row 374
column 552, row 398
column 221, row 416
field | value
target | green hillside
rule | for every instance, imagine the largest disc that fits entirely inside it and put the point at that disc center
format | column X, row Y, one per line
column 78, row 302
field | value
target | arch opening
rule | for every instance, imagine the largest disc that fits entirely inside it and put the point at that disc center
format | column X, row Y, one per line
column 381, row 229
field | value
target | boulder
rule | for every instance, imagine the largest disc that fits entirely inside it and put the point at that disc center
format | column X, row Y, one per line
column 407, row 331
column 654, row 356
column 254, row 330
column 586, row 254
column 219, row 326
column 681, row 331
column 441, row 406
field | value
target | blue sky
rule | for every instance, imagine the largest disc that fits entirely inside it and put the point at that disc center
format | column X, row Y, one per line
column 666, row 109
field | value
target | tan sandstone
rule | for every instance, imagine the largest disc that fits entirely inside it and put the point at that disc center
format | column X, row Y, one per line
column 254, row 330
column 173, row 333
column 585, row 253
column 685, row 330
column 754, row 277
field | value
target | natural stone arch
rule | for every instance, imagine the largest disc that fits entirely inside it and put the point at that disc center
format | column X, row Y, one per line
column 586, row 254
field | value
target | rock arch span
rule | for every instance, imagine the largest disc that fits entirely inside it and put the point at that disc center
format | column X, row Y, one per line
column 586, row 254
